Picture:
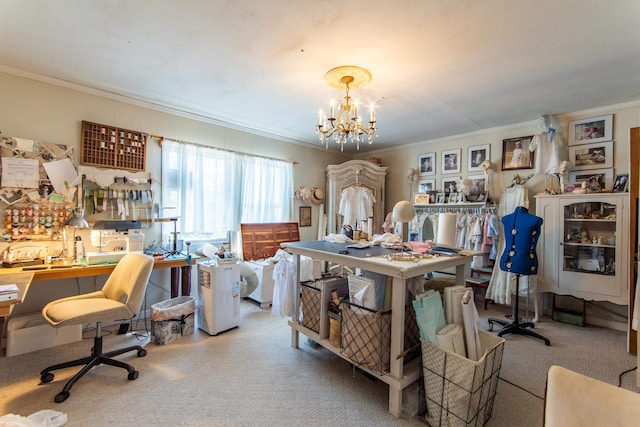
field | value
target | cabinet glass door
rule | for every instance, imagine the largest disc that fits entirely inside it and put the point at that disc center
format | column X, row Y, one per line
column 590, row 238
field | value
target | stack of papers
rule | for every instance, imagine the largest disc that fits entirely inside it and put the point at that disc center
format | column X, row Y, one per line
column 8, row 292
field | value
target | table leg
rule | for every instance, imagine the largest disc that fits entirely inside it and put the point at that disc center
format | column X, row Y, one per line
column 2, row 332
column 175, row 281
column 398, row 299
column 186, row 280
column 295, row 335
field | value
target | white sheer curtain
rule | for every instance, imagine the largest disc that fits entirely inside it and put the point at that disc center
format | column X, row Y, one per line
column 267, row 188
column 214, row 190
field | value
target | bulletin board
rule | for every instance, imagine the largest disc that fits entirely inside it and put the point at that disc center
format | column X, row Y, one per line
column 37, row 188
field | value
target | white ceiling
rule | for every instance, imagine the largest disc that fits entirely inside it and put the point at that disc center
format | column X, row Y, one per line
column 440, row 67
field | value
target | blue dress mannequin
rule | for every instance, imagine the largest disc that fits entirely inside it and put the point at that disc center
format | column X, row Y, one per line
column 522, row 231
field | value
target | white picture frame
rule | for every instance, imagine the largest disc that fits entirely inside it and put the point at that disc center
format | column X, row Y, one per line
column 604, row 178
column 476, row 155
column 598, row 155
column 451, row 161
column 478, row 186
column 427, row 164
column 594, row 129
column 426, row 185
column 449, row 184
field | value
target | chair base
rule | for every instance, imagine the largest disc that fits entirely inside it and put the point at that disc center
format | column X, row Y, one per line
column 97, row 358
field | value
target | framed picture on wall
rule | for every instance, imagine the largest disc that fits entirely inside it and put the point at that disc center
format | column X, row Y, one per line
column 427, row 164
column 305, row 216
column 587, row 131
column 516, row 154
column 591, row 156
column 477, row 155
column 426, row 185
column 478, row 187
column 449, row 185
column 451, row 161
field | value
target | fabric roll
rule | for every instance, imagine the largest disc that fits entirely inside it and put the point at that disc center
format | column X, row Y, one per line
column 451, row 338
column 447, row 229
column 453, row 304
column 471, row 319
column 429, row 315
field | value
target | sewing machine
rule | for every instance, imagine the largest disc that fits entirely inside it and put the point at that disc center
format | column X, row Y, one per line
column 114, row 239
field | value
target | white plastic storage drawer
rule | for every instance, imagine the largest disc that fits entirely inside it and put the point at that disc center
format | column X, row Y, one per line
column 30, row 332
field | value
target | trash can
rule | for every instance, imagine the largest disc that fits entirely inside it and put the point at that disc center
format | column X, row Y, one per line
column 172, row 319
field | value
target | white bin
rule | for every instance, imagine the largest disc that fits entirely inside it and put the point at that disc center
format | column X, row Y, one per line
column 30, row 332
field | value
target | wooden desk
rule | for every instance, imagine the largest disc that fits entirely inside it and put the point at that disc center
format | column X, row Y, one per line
column 177, row 264
column 400, row 376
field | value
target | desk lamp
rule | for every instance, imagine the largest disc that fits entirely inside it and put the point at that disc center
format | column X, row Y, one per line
column 76, row 220
column 403, row 212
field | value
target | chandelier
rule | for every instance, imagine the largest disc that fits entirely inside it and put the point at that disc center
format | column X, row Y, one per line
column 346, row 125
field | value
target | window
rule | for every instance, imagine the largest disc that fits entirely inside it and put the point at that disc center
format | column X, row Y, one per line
column 212, row 191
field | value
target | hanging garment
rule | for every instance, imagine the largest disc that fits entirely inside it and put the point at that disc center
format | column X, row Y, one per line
column 548, row 152
column 493, row 231
column 502, row 283
column 356, row 204
column 284, row 289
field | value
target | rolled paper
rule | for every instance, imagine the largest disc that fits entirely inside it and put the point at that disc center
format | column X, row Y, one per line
column 447, row 229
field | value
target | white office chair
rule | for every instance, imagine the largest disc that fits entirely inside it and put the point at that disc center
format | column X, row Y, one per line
column 119, row 299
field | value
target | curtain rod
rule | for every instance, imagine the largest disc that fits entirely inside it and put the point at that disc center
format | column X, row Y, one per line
column 161, row 139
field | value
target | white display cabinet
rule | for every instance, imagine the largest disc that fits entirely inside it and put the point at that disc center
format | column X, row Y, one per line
column 583, row 247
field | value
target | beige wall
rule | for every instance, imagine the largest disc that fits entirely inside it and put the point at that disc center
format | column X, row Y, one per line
column 49, row 113
column 44, row 112
column 400, row 160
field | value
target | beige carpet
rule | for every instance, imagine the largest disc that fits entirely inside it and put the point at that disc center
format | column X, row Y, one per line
column 250, row 376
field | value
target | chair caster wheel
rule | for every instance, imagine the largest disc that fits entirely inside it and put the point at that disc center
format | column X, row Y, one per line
column 133, row 375
column 46, row 378
column 62, row 396
column 142, row 352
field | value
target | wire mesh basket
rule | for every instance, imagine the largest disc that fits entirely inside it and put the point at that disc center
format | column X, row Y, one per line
column 366, row 336
column 460, row 391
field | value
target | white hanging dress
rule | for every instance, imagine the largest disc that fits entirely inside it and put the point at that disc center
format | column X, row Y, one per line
column 502, row 283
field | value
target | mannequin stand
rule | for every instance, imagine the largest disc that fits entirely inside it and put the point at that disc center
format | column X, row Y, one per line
column 515, row 326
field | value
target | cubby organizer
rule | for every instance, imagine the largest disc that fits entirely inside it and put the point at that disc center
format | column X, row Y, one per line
column 112, row 147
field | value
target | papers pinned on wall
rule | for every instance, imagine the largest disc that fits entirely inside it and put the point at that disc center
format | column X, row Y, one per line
column 20, row 173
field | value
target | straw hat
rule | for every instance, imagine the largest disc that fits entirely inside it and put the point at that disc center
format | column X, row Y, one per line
column 317, row 196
